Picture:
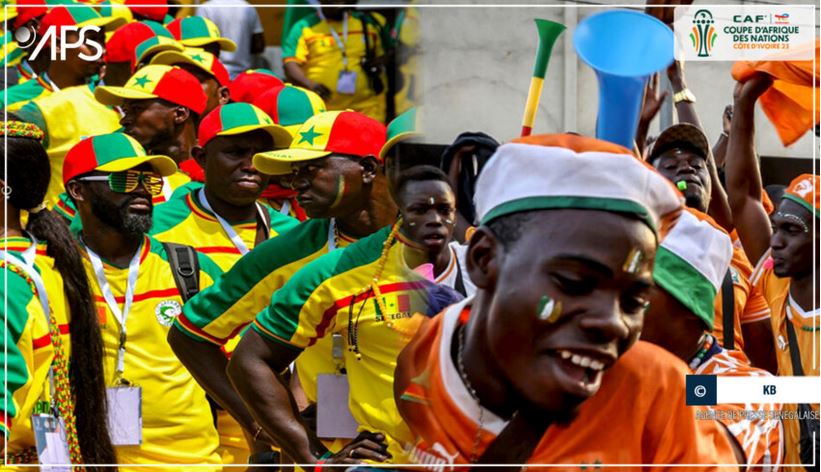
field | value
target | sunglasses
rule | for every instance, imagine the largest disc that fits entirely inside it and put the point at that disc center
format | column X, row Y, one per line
column 127, row 181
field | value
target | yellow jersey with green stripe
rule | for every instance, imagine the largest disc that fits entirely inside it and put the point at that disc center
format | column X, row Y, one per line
column 66, row 116
column 177, row 427
column 18, row 95
column 220, row 312
column 311, row 44
column 186, row 221
column 333, row 294
column 26, row 340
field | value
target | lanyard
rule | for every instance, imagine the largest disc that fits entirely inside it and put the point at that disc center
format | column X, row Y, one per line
column 339, row 43
column 167, row 191
column 229, row 230
column 27, row 266
column 121, row 315
column 332, row 235
column 286, row 207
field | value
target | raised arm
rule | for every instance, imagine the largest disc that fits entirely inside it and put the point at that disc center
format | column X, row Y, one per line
column 742, row 172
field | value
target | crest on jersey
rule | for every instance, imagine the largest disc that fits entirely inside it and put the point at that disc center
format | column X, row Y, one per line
column 166, row 311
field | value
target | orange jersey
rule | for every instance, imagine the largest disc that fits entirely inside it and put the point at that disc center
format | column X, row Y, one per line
column 760, row 435
column 638, row 416
column 748, row 301
column 806, row 324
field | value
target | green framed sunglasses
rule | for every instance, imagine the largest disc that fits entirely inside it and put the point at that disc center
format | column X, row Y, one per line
column 127, row 181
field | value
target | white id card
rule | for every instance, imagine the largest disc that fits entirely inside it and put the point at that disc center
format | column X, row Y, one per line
column 125, row 415
column 346, row 83
column 52, row 446
column 333, row 417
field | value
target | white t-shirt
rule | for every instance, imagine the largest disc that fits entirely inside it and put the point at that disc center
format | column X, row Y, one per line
column 239, row 23
column 457, row 266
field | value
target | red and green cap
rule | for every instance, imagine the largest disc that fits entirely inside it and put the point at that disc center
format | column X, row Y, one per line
column 31, row 10
column 198, row 31
column 157, row 81
column 290, row 106
column 151, row 9
column 78, row 15
column 239, row 118
column 113, row 152
column 401, row 128
column 333, row 132
column 122, row 45
column 153, row 45
column 200, row 58
column 250, row 84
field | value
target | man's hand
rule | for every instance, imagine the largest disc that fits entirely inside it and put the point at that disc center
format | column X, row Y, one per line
column 367, row 445
column 320, row 90
column 652, row 100
column 749, row 90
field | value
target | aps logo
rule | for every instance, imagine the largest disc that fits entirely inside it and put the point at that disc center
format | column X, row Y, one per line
column 703, row 36
column 26, row 37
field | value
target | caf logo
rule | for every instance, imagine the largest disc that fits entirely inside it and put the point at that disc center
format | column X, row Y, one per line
column 166, row 311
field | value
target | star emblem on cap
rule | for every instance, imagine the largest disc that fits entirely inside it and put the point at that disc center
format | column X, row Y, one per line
column 309, row 136
column 197, row 57
column 142, row 81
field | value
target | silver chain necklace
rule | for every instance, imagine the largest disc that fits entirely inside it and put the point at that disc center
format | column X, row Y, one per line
column 461, row 368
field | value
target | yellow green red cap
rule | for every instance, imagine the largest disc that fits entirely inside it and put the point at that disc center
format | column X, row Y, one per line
column 114, row 152
column 334, row 132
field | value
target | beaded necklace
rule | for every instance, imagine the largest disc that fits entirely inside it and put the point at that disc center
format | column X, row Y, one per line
column 460, row 366
column 373, row 286
column 62, row 397
column 708, row 347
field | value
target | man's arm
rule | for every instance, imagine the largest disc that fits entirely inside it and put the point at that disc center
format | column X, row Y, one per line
column 295, row 74
column 718, row 207
column 742, row 173
column 207, row 365
column 253, row 371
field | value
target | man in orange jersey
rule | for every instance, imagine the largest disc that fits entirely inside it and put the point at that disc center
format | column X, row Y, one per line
column 784, row 245
column 691, row 263
column 539, row 372
column 682, row 155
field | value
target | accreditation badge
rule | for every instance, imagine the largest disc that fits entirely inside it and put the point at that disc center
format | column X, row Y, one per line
column 333, row 417
column 346, row 84
column 51, row 442
column 125, row 415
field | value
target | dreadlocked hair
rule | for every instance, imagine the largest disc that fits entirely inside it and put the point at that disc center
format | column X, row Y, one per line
column 28, row 175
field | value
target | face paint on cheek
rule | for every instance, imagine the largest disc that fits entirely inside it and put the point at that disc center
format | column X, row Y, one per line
column 633, row 261
column 548, row 309
column 341, row 188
